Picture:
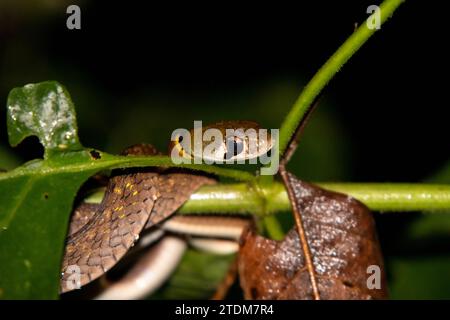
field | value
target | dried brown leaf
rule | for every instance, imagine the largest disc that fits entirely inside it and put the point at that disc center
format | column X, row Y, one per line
column 341, row 236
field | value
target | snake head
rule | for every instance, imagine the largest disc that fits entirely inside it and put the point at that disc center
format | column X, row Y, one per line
column 224, row 141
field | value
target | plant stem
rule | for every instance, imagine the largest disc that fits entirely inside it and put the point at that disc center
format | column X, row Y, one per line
column 242, row 198
column 327, row 72
column 273, row 228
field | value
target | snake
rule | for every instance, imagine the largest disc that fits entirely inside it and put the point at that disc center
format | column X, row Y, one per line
column 142, row 199
column 224, row 141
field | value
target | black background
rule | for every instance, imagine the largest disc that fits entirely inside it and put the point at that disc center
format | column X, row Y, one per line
column 391, row 96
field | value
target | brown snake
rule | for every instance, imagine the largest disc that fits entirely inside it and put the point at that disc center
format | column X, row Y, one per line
column 133, row 201
column 100, row 235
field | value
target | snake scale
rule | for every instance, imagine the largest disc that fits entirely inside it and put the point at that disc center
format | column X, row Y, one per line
column 134, row 200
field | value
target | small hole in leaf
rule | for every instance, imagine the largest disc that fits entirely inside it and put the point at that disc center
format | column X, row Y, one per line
column 45, row 195
column 95, row 154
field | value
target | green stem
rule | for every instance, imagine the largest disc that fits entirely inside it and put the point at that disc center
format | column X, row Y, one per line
column 273, row 228
column 327, row 72
column 60, row 165
column 242, row 198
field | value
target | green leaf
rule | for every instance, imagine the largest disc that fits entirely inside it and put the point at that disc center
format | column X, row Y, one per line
column 46, row 111
column 34, row 216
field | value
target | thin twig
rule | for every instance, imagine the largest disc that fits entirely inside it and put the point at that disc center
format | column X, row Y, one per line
column 301, row 232
column 226, row 283
column 290, row 150
column 288, row 153
column 293, row 142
